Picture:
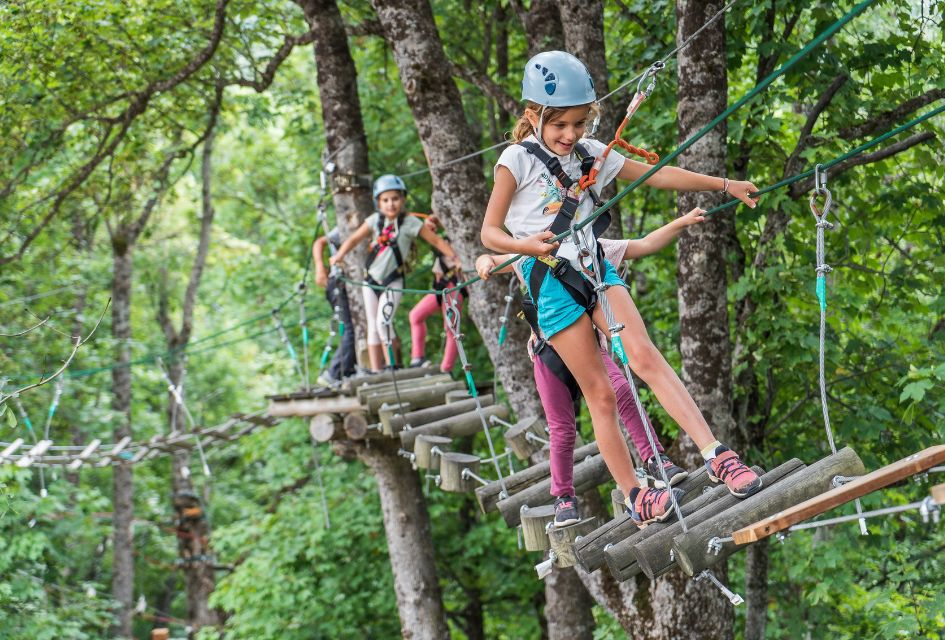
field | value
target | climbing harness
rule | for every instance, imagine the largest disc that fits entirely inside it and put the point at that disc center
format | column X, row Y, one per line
column 453, row 322
column 386, row 237
column 641, row 94
column 572, row 281
column 822, row 269
column 543, row 350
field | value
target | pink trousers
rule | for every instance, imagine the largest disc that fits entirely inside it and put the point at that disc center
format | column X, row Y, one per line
column 418, row 329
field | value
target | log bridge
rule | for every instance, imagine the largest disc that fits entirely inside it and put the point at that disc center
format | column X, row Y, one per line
column 427, row 410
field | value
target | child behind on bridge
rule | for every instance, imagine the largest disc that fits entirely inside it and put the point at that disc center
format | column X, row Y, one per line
column 392, row 231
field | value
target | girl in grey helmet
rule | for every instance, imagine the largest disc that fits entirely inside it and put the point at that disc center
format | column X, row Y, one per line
column 534, row 180
column 393, row 232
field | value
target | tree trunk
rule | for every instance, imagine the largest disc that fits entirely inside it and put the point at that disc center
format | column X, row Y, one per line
column 409, row 542
column 541, row 23
column 682, row 607
column 459, row 196
column 123, row 567
column 345, row 142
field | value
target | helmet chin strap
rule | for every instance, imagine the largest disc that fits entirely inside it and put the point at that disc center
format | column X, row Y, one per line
column 541, row 125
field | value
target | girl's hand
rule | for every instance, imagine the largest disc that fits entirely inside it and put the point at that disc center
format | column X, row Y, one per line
column 535, row 245
column 740, row 189
column 484, row 266
column 336, row 259
column 530, row 346
column 432, row 223
column 695, row 216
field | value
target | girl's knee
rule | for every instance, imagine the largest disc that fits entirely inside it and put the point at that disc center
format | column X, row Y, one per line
column 645, row 358
column 601, row 397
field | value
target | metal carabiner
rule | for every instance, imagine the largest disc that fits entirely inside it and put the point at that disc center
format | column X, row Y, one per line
column 650, row 73
column 820, row 189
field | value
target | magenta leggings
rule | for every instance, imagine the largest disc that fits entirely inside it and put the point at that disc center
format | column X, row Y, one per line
column 559, row 412
column 418, row 329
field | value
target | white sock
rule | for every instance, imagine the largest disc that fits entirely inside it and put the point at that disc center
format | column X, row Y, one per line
column 709, row 451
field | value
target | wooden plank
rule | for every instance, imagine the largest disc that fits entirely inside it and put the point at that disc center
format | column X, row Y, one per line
column 488, row 495
column 313, row 407
column 938, row 494
column 882, row 477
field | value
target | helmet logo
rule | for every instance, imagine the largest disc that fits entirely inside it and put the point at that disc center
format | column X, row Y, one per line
column 551, row 81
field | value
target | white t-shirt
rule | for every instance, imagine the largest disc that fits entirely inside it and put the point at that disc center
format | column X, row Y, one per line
column 538, row 196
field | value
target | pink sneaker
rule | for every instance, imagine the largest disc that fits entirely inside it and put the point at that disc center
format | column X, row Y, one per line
column 652, row 505
column 727, row 467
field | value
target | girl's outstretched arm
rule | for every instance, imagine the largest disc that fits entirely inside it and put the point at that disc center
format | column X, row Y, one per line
column 350, row 243
column 487, row 262
column 682, row 180
column 657, row 240
column 438, row 243
column 494, row 237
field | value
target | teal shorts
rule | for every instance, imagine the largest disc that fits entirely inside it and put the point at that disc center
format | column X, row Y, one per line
column 557, row 310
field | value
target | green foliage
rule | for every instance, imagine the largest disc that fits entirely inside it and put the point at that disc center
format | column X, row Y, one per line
column 67, row 69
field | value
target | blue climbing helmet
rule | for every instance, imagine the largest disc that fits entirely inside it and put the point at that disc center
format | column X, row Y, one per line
column 389, row 182
column 557, row 79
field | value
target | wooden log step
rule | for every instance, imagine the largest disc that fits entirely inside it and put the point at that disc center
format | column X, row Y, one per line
column 394, row 422
column 325, row 427
column 617, row 504
column 452, row 478
column 534, row 527
column 563, row 539
column 356, row 426
column 424, row 456
column 882, row 477
column 690, row 548
column 519, row 441
column 590, row 550
column 464, row 424
column 588, row 473
column 304, row 394
column 350, row 385
column 367, row 390
column 622, row 559
column 313, row 406
column 418, row 398
column 488, row 495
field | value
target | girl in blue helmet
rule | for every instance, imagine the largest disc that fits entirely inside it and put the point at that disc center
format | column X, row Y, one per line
column 392, row 234
column 535, row 181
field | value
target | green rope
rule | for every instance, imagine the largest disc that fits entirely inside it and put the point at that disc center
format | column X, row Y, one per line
column 835, row 161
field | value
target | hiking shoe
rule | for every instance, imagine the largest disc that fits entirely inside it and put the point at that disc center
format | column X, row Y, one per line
column 727, row 467
column 674, row 473
column 420, row 362
column 652, row 505
column 566, row 511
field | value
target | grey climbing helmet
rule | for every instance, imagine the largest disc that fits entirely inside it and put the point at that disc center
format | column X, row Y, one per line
column 557, row 79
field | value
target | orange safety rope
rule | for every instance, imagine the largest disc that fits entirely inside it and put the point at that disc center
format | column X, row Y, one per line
column 649, row 156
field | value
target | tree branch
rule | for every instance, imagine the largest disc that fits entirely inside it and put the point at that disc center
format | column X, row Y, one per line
column 79, row 341
column 138, row 106
column 25, row 331
column 804, row 138
column 803, row 186
column 485, row 84
column 888, row 118
column 269, row 73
